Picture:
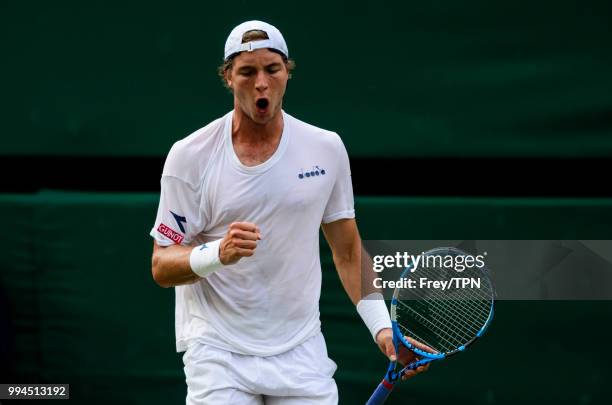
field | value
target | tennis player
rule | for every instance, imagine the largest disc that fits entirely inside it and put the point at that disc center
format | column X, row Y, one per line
column 237, row 235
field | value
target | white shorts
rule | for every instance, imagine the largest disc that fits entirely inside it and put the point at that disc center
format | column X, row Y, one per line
column 302, row 375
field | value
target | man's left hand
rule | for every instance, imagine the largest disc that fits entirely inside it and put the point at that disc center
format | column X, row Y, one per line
column 384, row 339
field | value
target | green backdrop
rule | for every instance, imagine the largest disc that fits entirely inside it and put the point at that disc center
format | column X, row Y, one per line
column 394, row 78
column 83, row 308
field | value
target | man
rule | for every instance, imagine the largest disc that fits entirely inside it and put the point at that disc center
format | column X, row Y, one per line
column 237, row 235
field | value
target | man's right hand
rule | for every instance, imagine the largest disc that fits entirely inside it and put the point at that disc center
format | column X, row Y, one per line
column 239, row 241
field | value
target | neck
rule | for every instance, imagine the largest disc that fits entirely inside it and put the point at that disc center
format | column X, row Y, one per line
column 244, row 129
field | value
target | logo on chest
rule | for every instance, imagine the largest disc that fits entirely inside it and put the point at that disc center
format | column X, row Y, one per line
column 313, row 172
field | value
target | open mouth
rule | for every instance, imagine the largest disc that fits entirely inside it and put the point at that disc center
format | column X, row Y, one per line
column 262, row 103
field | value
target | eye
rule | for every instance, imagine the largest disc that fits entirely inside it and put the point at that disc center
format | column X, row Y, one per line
column 245, row 72
column 273, row 69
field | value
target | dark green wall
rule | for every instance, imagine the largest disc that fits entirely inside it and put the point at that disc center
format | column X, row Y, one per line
column 80, row 305
column 394, row 78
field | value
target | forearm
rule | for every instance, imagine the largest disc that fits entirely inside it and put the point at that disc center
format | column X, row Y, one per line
column 349, row 271
column 176, row 265
column 171, row 267
column 352, row 268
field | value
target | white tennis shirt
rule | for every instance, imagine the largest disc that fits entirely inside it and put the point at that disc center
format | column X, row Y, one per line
column 268, row 303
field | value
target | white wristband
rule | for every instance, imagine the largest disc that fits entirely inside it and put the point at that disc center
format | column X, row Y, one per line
column 204, row 259
column 374, row 313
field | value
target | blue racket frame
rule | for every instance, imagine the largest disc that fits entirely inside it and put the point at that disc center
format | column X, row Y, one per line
column 392, row 376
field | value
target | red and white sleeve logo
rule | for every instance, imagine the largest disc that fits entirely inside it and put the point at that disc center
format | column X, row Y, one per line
column 170, row 233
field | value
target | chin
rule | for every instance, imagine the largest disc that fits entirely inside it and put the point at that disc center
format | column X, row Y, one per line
column 261, row 120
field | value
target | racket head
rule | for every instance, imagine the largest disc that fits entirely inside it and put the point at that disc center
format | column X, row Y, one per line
column 447, row 322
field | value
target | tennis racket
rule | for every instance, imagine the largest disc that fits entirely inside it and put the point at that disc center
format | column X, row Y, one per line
column 447, row 320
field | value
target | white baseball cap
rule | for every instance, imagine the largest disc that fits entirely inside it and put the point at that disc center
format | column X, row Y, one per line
column 275, row 39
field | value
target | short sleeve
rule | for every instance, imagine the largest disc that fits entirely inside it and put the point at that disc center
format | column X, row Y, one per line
column 179, row 217
column 341, row 203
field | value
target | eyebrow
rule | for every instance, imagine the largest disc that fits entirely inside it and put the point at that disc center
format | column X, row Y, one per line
column 249, row 67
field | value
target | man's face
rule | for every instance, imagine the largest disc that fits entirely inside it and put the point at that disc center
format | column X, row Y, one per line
column 258, row 80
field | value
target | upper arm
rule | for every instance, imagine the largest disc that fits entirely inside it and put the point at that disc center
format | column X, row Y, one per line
column 179, row 215
column 340, row 203
column 181, row 212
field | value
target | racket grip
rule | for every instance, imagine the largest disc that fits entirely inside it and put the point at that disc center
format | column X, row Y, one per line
column 381, row 393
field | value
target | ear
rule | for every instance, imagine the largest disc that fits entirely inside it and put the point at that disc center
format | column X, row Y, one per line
column 228, row 77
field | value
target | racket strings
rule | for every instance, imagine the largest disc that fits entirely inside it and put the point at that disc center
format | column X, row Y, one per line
column 458, row 300
column 434, row 299
column 434, row 329
column 415, row 336
column 449, row 328
column 448, row 333
column 485, row 292
column 447, row 338
column 444, row 320
column 443, row 305
column 449, row 321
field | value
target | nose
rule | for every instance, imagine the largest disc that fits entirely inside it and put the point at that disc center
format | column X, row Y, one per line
column 261, row 81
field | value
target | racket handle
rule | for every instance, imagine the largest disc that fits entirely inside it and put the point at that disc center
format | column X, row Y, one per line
column 380, row 395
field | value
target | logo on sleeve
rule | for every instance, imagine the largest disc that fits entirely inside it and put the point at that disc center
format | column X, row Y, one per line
column 179, row 220
column 170, row 233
